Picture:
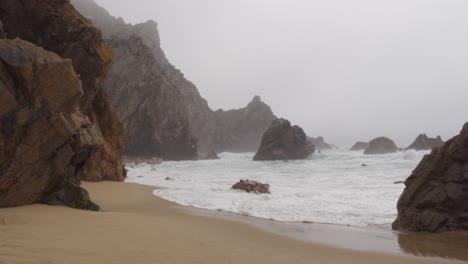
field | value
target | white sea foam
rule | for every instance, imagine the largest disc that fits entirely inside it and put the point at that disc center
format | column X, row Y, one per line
column 331, row 187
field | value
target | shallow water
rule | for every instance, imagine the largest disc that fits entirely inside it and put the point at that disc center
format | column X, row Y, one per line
column 331, row 187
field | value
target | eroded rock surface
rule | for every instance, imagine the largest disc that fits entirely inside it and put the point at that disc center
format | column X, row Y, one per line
column 423, row 142
column 436, row 193
column 57, row 27
column 381, row 145
column 251, row 186
column 284, row 142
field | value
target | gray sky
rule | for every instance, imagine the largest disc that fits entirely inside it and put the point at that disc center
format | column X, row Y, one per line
column 346, row 70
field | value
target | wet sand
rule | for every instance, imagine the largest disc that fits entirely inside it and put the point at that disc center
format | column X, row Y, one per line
column 137, row 227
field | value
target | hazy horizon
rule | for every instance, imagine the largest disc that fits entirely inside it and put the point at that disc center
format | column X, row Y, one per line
column 345, row 70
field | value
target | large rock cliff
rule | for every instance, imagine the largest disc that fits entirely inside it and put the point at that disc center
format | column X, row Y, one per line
column 174, row 109
column 436, row 193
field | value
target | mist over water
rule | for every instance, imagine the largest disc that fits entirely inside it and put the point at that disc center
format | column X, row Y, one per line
column 331, row 187
column 346, row 70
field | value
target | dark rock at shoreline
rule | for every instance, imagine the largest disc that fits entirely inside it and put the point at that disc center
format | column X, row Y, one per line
column 436, row 193
column 251, row 186
column 360, row 146
column 71, row 195
column 57, row 27
column 381, row 145
column 284, row 142
column 423, row 142
column 209, row 156
column 399, row 182
column 320, row 144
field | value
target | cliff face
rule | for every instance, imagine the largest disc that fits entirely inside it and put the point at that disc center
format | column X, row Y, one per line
column 169, row 97
column 436, row 192
column 140, row 87
column 56, row 26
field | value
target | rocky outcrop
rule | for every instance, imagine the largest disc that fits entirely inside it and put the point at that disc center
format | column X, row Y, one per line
column 284, row 142
column 423, row 142
column 57, row 27
column 251, row 186
column 209, row 156
column 381, row 145
column 174, row 109
column 359, row 146
column 320, row 144
column 45, row 139
column 435, row 196
column 143, row 89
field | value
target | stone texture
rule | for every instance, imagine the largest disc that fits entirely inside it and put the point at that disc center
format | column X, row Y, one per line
column 423, row 142
column 251, row 186
column 45, row 139
column 169, row 97
column 435, row 196
column 381, row 145
column 57, row 27
column 360, row 146
column 320, row 144
column 284, row 142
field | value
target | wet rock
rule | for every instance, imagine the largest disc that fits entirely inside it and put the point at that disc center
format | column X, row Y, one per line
column 251, row 186
column 363, row 165
column 399, row 182
column 423, row 142
column 381, row 145
column 169, row 179
column 360, row 146
column 71, row 195
column 284, row 142
column 435, row 196
column 209, row 156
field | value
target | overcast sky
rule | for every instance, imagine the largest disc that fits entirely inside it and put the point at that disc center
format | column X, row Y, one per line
column 345, row 69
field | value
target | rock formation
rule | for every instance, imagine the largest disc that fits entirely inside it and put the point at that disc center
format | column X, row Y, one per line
column 56, row 127
column 209, row 156
column 143, row 90
column 251, row 186
column 284, row 142
column 381, row 145
column 423, row 142
column 320, row 144
column 174, row 109
column 436, row 193
column 360, row 146
column 57, row 27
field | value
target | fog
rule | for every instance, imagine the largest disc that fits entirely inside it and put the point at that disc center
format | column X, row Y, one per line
column 346, row 70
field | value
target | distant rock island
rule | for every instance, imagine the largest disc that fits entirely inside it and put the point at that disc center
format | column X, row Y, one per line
column 163, row 112
column 360, row 146
column 381, row 145
column 320, row 144
column 423, row 142
column 284, row 142
column 436, row 193
column 57, row 125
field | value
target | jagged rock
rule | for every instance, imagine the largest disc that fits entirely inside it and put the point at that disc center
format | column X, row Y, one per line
column 56, row 26
column 360, row 146
column 251, row 186
column 320, row 144
column 45, row 138
column 210, row 156
column 423, row 142
column 72, row 195
column 284, row 142
column 234, row 130
column 381, row 145
column 436, row 193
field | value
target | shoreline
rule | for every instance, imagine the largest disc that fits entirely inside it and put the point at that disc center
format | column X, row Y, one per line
column 135, row 226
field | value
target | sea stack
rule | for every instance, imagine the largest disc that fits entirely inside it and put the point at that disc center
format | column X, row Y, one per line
column 381, row 145
column 360, row 146
column 320, row 144
column 423, row 142
column 436, row 193
column 284, row 142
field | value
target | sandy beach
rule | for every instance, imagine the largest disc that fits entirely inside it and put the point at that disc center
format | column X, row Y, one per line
column 137, row 227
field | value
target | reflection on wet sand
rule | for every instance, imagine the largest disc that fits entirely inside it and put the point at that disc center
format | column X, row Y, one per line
column 445, row 245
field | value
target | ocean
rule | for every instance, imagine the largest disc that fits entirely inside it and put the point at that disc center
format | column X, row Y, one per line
column 331, row 187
